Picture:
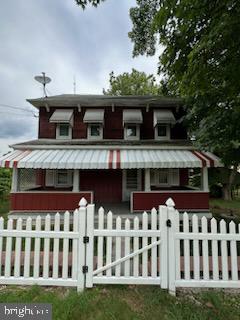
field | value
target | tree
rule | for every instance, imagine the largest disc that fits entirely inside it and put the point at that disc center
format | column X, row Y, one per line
column 5, row 181
column 84, row 3
column 200, row 62
column 134, row 83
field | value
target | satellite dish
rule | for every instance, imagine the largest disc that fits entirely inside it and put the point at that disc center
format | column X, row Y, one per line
column 43, row 80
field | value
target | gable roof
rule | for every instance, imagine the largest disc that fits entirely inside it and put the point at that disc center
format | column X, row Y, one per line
column 87, row 100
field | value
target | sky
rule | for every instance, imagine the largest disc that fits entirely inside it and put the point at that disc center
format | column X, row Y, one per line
column 59, row 38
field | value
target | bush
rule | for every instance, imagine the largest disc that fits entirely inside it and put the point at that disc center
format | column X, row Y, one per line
column 5, row 181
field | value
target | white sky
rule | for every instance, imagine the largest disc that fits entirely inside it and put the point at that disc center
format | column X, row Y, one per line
column 64, row 41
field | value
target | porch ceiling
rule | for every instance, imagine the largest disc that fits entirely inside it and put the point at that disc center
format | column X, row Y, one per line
column 108, row 159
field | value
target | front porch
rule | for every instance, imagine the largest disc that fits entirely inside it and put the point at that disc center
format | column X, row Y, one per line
column 55, row 179
column 127, row 190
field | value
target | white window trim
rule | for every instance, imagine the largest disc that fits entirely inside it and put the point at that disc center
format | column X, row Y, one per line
column 137, row 137
column 69, row 137
column 169, row 178
column 167, row 184
column 90, row 137
column 167, row 137
column 126, row 193
column 69, row 178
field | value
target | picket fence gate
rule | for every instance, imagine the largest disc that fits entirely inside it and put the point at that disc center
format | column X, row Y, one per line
column 156, row 248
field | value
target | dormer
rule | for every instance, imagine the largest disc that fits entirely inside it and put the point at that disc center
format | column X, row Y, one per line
column 94, row 118
column 132, row 120
column 63, row 118
column 163, row 120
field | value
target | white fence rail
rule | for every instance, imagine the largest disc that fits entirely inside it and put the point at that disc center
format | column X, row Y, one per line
column 156, row 248
column 128, row 251
column 44, row 252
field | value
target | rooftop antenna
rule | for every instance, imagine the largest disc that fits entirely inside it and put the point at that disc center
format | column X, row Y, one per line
column 43, row 80
column 74, row 84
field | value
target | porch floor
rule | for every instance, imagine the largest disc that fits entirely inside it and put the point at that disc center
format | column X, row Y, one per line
column 122, row 208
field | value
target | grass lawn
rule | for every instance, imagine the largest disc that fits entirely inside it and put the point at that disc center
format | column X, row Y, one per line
column 128, row 302
column 220, row 207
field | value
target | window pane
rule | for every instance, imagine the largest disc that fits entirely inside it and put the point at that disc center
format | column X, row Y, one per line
column 64, row 130
column 132, row 179
column 131, row 131
column 163, row 176
column 162, row 130
column 62, row 177
column 95, row 130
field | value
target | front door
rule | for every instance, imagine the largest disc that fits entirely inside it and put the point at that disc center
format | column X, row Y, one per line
column 132, row 181
column 105, row 184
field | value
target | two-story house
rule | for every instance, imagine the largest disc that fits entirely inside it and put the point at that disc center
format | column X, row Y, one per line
column 107, row 149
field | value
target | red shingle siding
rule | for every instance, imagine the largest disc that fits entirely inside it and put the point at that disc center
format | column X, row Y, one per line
column 46, row 129
column 79, row 127
column 147, row 129
column 113, row 124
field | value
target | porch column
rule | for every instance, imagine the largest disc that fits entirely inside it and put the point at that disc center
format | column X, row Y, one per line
column 205, row 186
column 14, row 186
column 76, row 180
column 147, row 185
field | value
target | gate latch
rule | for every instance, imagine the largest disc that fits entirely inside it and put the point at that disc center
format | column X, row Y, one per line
column 84, row 269
column 168, row 223
column 85, row 239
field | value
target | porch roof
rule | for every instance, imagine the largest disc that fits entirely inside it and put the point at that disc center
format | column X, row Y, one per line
column 108, row 159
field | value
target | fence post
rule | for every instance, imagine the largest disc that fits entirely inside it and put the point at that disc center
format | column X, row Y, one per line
column 163, row 217
column 90, row 245
column 173, row 222
column 81, row 246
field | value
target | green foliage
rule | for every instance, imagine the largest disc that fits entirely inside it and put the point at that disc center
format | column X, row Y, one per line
column 200, row 62
column 5, row 181
column 84, row 3
column 134, row 83
column 4, row 206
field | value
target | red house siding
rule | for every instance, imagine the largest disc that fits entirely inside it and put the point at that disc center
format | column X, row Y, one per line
column 147, row 129
column 43, row 201
column 79, row 127
column 113, row 124
column 46, row 129
column 40, row 177
column 106, row 184
column 183, row 200
column 183, row 177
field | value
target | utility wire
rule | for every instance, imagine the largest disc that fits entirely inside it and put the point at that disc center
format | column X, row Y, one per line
column 18, row 108
column 20, row 114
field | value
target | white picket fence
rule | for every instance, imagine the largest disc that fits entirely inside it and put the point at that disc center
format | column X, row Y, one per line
column 156, row 248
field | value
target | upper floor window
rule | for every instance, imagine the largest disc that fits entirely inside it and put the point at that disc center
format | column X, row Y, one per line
column 131, row 132
column 162, row 132
column 162, row 122
column 131, row 122
column 64, row 122
column 95, row 121
column 95, row 131
column 63, row 131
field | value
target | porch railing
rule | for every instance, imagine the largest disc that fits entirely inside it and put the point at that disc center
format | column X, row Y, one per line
column 48, row 201
column 190, row 200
